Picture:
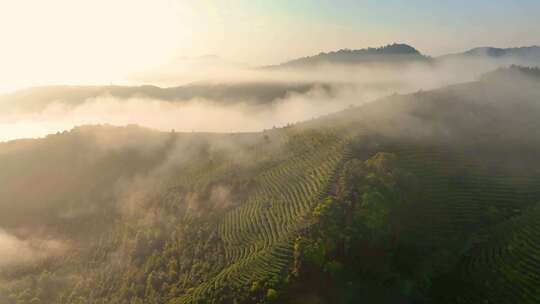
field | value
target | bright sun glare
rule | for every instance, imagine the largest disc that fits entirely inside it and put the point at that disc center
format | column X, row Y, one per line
column 78, row 41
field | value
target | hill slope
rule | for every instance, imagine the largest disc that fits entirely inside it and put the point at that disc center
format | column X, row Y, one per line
column 394, row 201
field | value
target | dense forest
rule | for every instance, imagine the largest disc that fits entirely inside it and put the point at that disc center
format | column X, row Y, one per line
column 429, row 197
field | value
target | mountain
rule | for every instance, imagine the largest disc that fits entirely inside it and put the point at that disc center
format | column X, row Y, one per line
column 519, row 55
column 390, row 54
column 429, row 197
column 398, row 54
column 531, row 52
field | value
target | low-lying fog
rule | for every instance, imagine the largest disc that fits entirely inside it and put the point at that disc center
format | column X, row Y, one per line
column 349, row 86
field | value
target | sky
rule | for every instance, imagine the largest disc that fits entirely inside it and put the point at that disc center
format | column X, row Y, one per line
column 103, row 41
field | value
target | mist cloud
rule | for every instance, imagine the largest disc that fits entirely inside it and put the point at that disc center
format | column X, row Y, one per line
column 193, row 115
column 15, row 251
column 350, row 85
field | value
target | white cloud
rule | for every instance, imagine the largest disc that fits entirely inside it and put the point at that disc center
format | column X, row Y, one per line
column 15, row 251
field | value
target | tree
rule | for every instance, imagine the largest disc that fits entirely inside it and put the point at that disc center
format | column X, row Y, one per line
column 271, row 295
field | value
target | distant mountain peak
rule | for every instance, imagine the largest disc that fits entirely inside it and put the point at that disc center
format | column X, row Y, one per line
column 391, row 49
column 392, row 53
column 489, row 51
column 500, row 52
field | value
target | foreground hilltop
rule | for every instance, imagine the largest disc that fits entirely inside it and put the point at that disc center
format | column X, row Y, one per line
column 422, row 198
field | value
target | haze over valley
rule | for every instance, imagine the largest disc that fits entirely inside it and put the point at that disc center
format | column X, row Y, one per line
column 250, row 99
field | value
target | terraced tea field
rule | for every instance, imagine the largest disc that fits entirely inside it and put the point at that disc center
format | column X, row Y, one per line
column 259, row 234
column 485, row 224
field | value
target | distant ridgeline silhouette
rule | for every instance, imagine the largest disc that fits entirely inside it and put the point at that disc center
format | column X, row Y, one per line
column 394, row 53
column 529, row 55
column 530, row 51
column 510, row 74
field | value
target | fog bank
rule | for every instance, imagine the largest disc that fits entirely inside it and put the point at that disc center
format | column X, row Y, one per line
column 333, row 88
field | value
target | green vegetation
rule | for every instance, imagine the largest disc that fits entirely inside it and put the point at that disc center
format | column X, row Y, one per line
column 426, row 198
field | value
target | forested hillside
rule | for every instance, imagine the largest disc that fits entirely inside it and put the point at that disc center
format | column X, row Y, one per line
column 430, row 197
column 257, row 92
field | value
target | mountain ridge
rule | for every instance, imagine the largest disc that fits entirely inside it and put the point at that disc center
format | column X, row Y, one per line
column 392, row 53
column 524, row 53
column 405, row 54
